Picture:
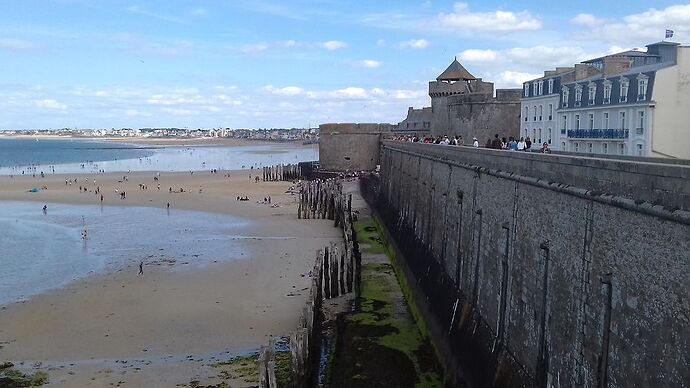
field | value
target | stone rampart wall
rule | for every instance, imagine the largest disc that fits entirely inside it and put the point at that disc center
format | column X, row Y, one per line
column 534, row 280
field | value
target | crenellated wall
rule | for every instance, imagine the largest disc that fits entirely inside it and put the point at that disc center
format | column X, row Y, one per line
column 529, row 277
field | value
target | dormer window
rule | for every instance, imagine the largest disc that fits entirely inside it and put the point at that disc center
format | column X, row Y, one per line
column 526, row 90
column 534, row 88
column 642, row 81
column 624, row 89
column 551, row 86
column 541, row 87
column 592, row 92
column 607, row 92
column 578, row 95
column 566, row 94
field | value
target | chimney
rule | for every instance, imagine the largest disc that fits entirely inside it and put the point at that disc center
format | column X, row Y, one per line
column 581, row 71
column 615, row 65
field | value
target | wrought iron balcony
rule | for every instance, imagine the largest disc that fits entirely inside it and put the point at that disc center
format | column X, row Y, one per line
column 598, row 133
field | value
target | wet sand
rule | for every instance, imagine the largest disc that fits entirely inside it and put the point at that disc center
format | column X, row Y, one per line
column 168, row 326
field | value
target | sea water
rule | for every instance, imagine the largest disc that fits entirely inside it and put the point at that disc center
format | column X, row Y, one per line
column 41, row 250
column 62, row 156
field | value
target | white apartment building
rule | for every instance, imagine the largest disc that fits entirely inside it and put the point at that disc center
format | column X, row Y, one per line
column 632, row 103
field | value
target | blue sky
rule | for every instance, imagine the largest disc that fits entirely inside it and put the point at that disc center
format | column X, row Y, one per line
column 252, row 64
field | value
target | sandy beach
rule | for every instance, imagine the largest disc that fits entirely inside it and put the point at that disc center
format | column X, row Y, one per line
column 169, row 326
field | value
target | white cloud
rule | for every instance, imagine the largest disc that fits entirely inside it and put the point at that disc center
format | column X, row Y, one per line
column 478, row 56
column 50, row 104
column 254, row 48
column 463, row 20
column 370, row 63
column 333, row 45
column 378, row 92
column 586, row 19
column 637, row 29
column 541, row 57
column 286, row 91
column 513, row 79
column 350, row 92
column 414, row 44
column 16, row 44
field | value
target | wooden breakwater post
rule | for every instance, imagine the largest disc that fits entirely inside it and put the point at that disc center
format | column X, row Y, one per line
column 335, row 273
column 267, row 365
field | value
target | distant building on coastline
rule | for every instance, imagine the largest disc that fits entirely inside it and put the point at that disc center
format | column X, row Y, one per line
column 630, row 103
column 464, row 105
column 418, row 121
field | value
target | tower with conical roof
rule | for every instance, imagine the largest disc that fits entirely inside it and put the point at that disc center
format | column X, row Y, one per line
column 462, row 104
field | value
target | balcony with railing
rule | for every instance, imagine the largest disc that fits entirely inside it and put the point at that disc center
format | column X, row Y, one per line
column 598, row 133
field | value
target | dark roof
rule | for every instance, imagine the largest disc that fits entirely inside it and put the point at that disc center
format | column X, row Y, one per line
column 664, row 43
column 631, row 71
column 629, row 53
column 455, row 72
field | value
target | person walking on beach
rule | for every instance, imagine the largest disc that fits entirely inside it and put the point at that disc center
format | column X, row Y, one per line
column 141, row 268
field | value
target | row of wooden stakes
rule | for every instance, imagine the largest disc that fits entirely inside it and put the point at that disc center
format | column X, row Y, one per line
column 336, row 272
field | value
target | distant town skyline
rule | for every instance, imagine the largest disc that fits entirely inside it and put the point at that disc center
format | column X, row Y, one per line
column 257, row 64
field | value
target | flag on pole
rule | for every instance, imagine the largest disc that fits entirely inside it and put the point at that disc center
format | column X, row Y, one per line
column 669, row 34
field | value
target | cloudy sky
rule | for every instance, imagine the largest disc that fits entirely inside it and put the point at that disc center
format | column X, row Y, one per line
column 270, row 63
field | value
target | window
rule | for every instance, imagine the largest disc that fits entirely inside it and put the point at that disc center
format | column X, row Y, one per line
column 578, row 95
column 534, row 89
column 526, row 113
column 551, row 86
column 621, row 149
column 577, row 147
column 605, row 147
column 550, row 135
column 550, row 112
column 526, row 90
column 541, row 112
column 641, row 88
column 621, row 119
column 606, row 120
column 539, row 142
column 590, row 147
column 577, row 121
column 624, row 90
column 535, row 113
column 565, row 96
column 607, row 92
column 541, row 87
column 563, row 146
column 639, row 150
column 534, row 134
column 640, row 122
column 591, row 121
column 592, row 93
column 565, row 124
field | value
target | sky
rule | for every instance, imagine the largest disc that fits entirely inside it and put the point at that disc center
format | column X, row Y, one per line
column 295, row 63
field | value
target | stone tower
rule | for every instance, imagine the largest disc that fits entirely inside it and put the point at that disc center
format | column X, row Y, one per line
column 462, row 104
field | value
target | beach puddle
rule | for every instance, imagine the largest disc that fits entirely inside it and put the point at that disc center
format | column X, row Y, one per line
column 42, row 250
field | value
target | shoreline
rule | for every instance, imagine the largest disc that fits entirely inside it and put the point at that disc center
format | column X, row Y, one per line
column 163, row 141
column 76, row 331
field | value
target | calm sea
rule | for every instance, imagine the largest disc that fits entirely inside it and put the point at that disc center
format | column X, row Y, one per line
column 29, row 156
column 41, row 251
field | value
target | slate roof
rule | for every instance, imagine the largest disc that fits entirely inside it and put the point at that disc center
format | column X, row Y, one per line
column 455, row 72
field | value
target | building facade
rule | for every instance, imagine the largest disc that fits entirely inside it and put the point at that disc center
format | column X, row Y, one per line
column 539, row 104
column 631, row 103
